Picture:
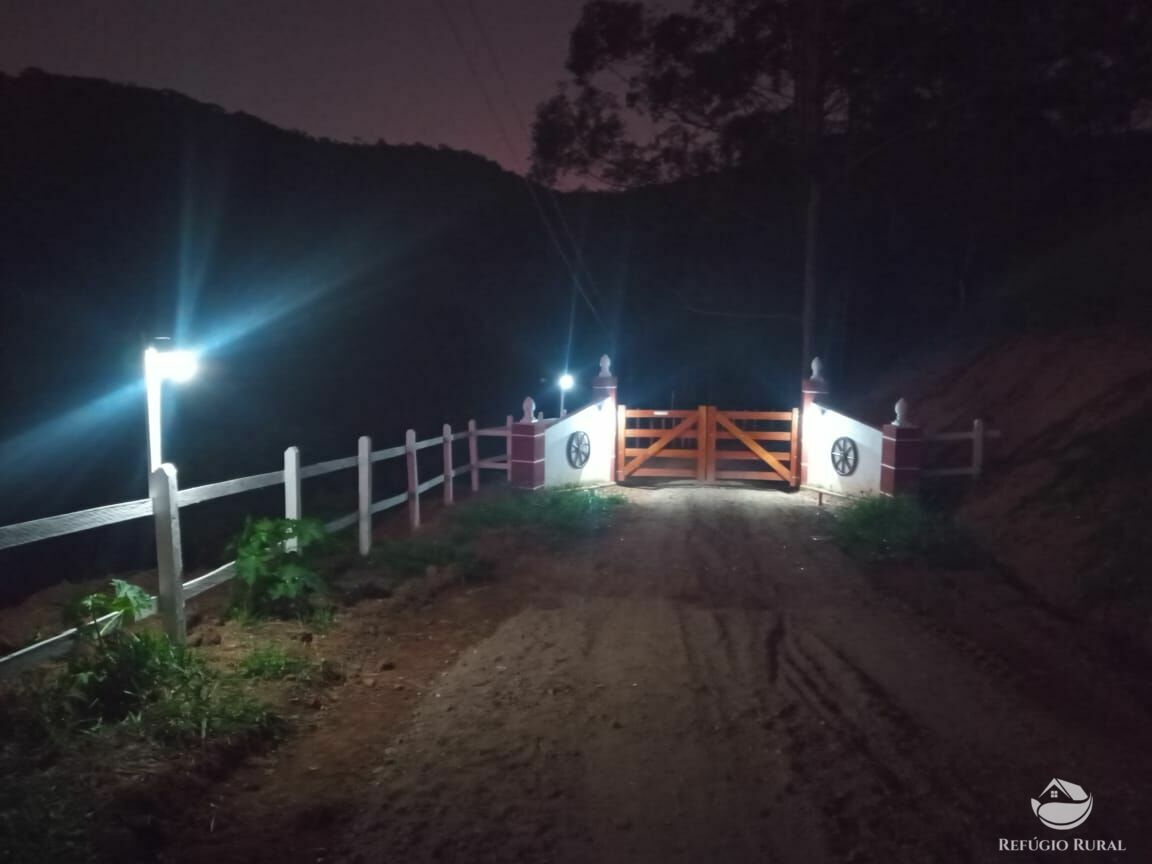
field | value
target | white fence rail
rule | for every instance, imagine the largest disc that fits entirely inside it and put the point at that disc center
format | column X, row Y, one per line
column 167, row 499
column 978, row 435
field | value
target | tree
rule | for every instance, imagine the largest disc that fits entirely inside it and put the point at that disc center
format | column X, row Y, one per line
column 823, row 86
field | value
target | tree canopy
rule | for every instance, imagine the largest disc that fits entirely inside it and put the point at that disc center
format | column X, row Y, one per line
column 655, row 95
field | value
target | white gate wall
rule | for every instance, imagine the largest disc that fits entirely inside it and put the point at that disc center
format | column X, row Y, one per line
column 820, row 427
column 598, row 422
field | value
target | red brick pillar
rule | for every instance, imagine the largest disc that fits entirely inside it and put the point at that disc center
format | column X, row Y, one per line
column 604, row 387
column 814, row 390
column 526, row 450
column 901, row 455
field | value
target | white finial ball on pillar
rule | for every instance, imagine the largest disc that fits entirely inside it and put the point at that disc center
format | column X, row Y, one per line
column 817, row 369
column 901, row 412
column 529, row 407
column 605, row 366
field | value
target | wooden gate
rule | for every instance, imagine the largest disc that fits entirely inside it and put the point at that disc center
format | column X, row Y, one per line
column 707, row 443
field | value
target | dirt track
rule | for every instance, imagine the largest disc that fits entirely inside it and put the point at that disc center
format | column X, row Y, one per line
column 714, row 682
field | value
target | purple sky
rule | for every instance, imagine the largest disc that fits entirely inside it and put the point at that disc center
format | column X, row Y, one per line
column 340, row 68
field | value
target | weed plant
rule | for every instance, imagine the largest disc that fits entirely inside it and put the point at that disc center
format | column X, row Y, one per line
column 276, row 570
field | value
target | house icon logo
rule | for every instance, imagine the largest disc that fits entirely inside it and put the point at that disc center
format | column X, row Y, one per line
column 1062, row 805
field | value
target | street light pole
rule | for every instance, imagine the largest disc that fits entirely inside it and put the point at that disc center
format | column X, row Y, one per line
column 566, row 384
column 158, row 366
column 152, row 385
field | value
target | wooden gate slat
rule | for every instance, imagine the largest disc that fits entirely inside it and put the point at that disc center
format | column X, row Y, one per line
column 702, row 438
column 723, row 420
column 656, row 446
column 792, row 462
column 750, row 475
column 706, row 427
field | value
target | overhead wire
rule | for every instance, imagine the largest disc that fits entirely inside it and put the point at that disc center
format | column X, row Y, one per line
column 564, row 226
column 540, row 210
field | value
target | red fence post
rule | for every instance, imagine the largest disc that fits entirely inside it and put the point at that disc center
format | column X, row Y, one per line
column 526, row 450
column 508, row 446
column 900, row 458
column 813, row 390
column 604, row 387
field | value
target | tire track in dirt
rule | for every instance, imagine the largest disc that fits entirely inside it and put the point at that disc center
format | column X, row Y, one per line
column 708, row 682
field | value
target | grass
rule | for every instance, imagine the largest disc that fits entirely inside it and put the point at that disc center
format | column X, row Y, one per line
column 898, row 528
column 139, row 684
column 69, row 735
column 410, row 557
column 272, row 662
column 554, row 513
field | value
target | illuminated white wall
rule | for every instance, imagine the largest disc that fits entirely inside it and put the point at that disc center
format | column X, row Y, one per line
column 821, row 427
column 598, row 421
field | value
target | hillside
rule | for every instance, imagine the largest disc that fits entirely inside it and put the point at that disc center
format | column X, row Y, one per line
column 307, row 267
column 344, row 289
column 337, row 290
column 1063, row 505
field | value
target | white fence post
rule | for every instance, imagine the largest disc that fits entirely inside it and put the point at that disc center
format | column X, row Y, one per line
column 364, row 469
column 473, row 456
column 292, row 502
column 508, row 445
column 448, row 478
column 977, row 447
column 413, row 479
column 162, row 490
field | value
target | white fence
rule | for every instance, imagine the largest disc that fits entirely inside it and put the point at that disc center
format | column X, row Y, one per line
column 166, row 500
column 977, row 436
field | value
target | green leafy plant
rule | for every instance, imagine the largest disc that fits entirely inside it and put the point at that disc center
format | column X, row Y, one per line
column 276, row 573
column 96, row 615
column 112, row 671
column 158, row 687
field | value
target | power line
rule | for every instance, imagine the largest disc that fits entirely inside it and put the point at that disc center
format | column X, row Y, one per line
column 492, row 57
column 543, row 214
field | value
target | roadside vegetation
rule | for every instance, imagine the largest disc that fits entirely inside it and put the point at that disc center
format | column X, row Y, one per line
column 277, row 573
column 553, row 515
column 878, row 528
column 121, row 690
column 127, row 702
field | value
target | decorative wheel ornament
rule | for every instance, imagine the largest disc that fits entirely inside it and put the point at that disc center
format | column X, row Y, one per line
column 845, row 456
column 579, row 449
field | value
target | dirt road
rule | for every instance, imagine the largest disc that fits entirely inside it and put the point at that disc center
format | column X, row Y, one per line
column 714, row 682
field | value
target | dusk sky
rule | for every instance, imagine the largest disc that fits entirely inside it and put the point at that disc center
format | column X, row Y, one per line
column 366, row 69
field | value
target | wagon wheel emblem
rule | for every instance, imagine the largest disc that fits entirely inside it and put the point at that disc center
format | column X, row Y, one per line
column 844, row 456
column 579, row 448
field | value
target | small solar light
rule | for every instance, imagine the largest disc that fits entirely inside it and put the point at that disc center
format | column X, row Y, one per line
column 567, row 382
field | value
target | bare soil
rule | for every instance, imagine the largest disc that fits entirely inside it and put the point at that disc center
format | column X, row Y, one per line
column 709, row 681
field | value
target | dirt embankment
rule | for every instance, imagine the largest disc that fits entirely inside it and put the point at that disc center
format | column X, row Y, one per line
column 1065, row 499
